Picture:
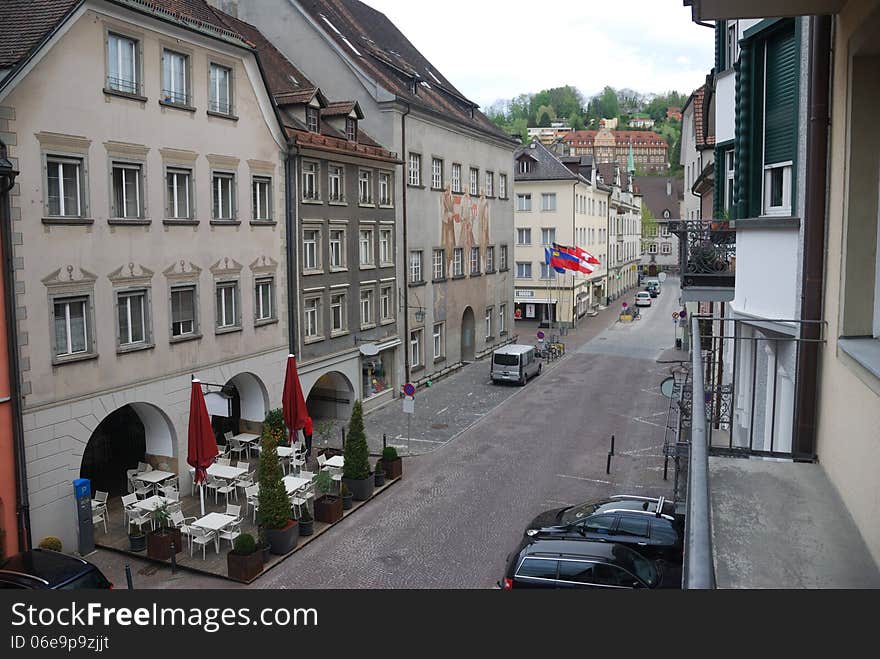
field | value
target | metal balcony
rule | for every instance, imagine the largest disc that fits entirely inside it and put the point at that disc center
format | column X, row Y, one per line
column 707, row 257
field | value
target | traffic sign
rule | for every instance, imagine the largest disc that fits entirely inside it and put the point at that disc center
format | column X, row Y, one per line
column 409, row 389
column 541, row 335
column 674, row 315
column 409, row 406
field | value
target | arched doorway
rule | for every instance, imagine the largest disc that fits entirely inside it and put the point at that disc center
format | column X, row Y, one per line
column 652, row 270
column 124, row 438
column 468, row 349
column 332, row 397
column 248, row 405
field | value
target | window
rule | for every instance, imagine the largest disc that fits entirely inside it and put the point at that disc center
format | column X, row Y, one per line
column 127, row 191
column 523, row 202
column 122, row 64
column 503, row 263
column 523, row 236
column 777, row 190
column 475, row 182
column 502, row 186
column 437, row 174
column 548, row 201
column 71, row 326
column 523, row 270
column 179, row 193
column 337, row 248
column 546, row 271
column 475, row 260
column 489, row 313
column 458, row 262
column 183, row 311
column 365, row 242
column 313, row 120
column 439, row 264
column 227, row 305
column 729, row 174
column 525, row 166
column 310, row 191
column 490, row 184
column 264, row 299
column 220, row 93
column 223, row 196
column 131, row 309
column 311, row 249
column 652, row 248
column 637, row 528
column 730, row 51
column 415, row 267
column 385, row 198
column 415, row 169
column 438, row 340
column 415, row 348
column 576, row 571
column 548, row 237
column 64, row 185
column 262, row 198
column 490, row 259
column 537, row 568
column 502, row 319
column 666, row 248
column 365, row 187
column 456, row 177
column 175, row 86
column 386, row 247
column 351, row 129
column 386, row 303
column 336, row 178
column 601, row 524
column 337, row 313
column 367, row 299
column 312, row 318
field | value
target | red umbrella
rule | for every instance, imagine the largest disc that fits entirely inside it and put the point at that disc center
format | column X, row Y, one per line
column 202, row 444
column 292, row 400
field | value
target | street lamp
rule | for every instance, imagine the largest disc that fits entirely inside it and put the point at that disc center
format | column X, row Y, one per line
column 7, row 171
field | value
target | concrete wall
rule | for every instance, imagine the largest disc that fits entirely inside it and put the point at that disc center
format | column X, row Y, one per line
column 765, row 257
column 690, row 160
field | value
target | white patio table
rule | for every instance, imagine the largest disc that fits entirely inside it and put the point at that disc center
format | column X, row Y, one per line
column 337, row 462
column 215, row 522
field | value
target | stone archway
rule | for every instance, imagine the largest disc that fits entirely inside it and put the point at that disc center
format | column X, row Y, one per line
column 331, row 397
column 468, row 335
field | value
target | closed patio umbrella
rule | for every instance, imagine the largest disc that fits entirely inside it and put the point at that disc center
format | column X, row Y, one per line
column 202, row 447
column 292, row 400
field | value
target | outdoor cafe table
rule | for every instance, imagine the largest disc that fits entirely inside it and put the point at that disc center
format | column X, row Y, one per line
column 226, row 473
column 246, row 437
column 284, row 451
column 154, row 477
column 215, row 522
column 293, row 483
column 337, row 462
column 152, row 504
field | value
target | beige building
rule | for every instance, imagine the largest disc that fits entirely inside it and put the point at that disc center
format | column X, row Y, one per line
column 558, row 201
column 150, row 224
column 624, row 230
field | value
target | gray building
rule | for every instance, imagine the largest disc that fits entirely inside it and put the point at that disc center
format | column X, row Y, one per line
column 662, row 196
column 455, row 214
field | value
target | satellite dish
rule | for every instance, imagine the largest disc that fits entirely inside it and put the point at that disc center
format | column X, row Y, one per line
column 667, row 387
column 369, row 350
column 662, row 277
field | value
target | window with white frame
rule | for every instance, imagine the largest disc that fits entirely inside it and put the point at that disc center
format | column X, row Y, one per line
column 385, row 194
column 264, row 299
column 415, row 348
column 502, row 265
column 128, row 194
column 665, row 248
column 184, row 320
column 523, row 236
column 490, row 311
column 351, row 129
column 456, row 177
column 438, row 340
column 220, row 92
column 131, row 308
column 312, row 317
column 502, row 186
column 223, row 196
column 548, row 201
column 227, row 305
column 475, row 182
column 546, row 271
column 386, row 247
column 523, row 202
column 175, row 78
column 336, row 183
column 313, row 120
column 525, row 166
column 652, row 248
column 72, row 325
column 337, row 249
column 436, row 173
column 777, row 189
column 337, row 312
column 523, row 270
column 367, row 301
column 475, row 260
column 64, row 187
column 730, row 50
column 490, row 259
column 415, row 169
column 502, row 319
column 365, row 243
column 179, row 193
column 123, row 68
column 458, row 262
column 415, row 267
column 548, row 237
column 311, row 249
column 365, row 187
column 490, row 184
column 261, row 195
column 310, row 190
column 386, row 303
column 439, row 264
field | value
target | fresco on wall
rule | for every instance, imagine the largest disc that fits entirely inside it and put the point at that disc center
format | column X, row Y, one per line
column 463, row 219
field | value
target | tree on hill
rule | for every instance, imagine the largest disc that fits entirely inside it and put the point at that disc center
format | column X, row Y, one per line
column 544, row 121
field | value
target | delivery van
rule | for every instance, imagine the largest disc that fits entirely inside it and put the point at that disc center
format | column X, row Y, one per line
column 514, row 363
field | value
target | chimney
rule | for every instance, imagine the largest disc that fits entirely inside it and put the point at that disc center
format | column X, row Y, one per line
column 668, row 187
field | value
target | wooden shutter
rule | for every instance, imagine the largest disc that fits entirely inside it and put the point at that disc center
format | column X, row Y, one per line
column 781, row 107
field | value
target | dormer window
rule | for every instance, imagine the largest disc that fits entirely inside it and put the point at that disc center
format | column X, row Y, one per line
column 525, row 166
column 351, row 129
column 313, row 121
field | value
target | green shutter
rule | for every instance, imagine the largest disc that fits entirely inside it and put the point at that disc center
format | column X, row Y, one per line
column 720, row 41
column 781, row 109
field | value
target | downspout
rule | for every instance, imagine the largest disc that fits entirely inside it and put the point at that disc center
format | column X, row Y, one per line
column 574, row 299
column 292, row 242
column 815, row 208
column 405, row 157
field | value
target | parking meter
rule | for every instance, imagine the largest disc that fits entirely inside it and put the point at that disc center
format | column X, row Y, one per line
column 82, row 493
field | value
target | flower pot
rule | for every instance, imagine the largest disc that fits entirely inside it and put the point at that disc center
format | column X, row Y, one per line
column 264, row 550
column 137, row 542
column 159, row 543
column 347, row 501
column 393, row 468
column 379, row 478
column 283, row 541
column 244, row 568
column 328, row 509
column 361, row 489
column 306, row 528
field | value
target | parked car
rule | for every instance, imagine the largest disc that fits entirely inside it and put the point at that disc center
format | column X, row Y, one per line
column 583, row 564
column 652, row 290
column 514, row 363
column 647, row 525
column 643, row 299
column 43, row 569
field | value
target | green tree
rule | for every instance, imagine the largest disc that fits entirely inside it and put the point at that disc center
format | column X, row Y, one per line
column 609, row 106
column 357, row 462
column 544, row 121
column 576, row 121
column 274, row 504
column 649, row 226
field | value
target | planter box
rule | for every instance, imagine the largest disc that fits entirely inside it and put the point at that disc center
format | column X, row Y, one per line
column 393, row 469
column 379, row 478
column 306, row 528
column 361, row 489
column 283, row 541
column 138, row 542
column 328, row 509
column 244, row 568
column 159, row 543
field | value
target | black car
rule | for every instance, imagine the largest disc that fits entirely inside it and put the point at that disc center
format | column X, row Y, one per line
column 584, row 564
column 653, row 290
column 43, row 569
column 646, row 525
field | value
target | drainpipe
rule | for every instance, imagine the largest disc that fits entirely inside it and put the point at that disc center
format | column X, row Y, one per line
column 405, row 157
column 292, row 242
column 574, row 300
column 815, row 208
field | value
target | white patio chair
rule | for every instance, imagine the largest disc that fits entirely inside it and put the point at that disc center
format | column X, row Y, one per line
column 144, row 490
column 100, row 515
column 101, row 497
column 213, row 483
column 200, row 536
column 183, row 523
column 254, row 448
column 231, row 532
column 244, row 481
column 252, row 498
column 192, row 481
column 225, row 462
column 233, row 510
column 140, row 519
column 226, row 488
column 236, row 448
column 170, row 485
column 128, row 502
column 142, row 467
column 297, row 500
column 132, row 483
column 228, row 435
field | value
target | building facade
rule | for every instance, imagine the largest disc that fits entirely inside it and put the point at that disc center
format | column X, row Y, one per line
column 662, row 197
column 649, row 150
column 624, row 231
column 548, row 135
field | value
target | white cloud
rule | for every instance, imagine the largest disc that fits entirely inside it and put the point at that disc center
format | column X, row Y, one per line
column 497, row 49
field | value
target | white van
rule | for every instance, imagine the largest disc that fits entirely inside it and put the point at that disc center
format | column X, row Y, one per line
column 514, row 363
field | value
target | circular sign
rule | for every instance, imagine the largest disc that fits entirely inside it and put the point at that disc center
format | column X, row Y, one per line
column 683, row 314
column 667, row 387
column 409, row 389
column 625, row 305
column 662, row 277
column 517, row 314
column 541, row 335
column 674, row 315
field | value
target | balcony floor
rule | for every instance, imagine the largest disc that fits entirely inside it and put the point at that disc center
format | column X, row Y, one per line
column 778, row 524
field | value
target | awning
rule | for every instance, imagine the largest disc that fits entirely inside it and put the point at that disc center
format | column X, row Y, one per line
column 390, row 343
column 218, row 404
column 534, row 300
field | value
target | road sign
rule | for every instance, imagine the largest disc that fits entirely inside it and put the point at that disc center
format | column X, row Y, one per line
column 661, row 277
column 409, row 389
column 409, row 405
column 674, row 315
column 541, row 335
column 625, row 305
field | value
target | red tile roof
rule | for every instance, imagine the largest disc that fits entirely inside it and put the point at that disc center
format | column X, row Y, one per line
column 25, row 23
column 621, row 137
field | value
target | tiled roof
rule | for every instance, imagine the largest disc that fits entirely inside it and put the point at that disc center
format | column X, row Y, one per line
column 621, row 137
column 546, row 165
column 25, row 23
column 384, row 54
column 339, row 109
column 653, row 191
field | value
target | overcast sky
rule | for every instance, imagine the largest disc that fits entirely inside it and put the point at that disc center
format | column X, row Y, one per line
column 494, row 49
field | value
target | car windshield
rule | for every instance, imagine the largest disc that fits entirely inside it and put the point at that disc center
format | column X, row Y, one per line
column 507, row 360
column 575, row 513
column 636, row 564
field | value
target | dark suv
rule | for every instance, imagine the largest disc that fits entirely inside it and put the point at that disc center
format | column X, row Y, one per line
column 583, row 564
column 644, row 524
column 43, row 569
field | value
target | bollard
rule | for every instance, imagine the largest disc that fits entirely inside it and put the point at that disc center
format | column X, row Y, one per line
column 128, row 577
column 612, row 444
column 173, row 558
column 608, row 464
column 665, row 467
column 384, row 441
column 343, row 437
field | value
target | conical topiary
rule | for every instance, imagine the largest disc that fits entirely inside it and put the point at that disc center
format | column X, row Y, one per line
column 274, row 504
column 357, row 454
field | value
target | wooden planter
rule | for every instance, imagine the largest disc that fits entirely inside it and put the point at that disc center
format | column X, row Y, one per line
column 159, row 543
column 244, row 568
column 393, row 469
column 328, row 509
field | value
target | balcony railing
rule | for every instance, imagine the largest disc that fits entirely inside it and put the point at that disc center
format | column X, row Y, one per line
column 707, row 257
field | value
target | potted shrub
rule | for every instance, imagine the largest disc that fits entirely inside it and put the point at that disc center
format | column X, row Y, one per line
column 356, row 472
column 244, row 562
column 159, row 541
column 328, row 507
column 379, row 475
column 281, row 531
column 51, row 542
column 137, row 540
column 347, row 499
column 306, row 523
column 263, row 545
column 273, row 426
column 392, row 463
